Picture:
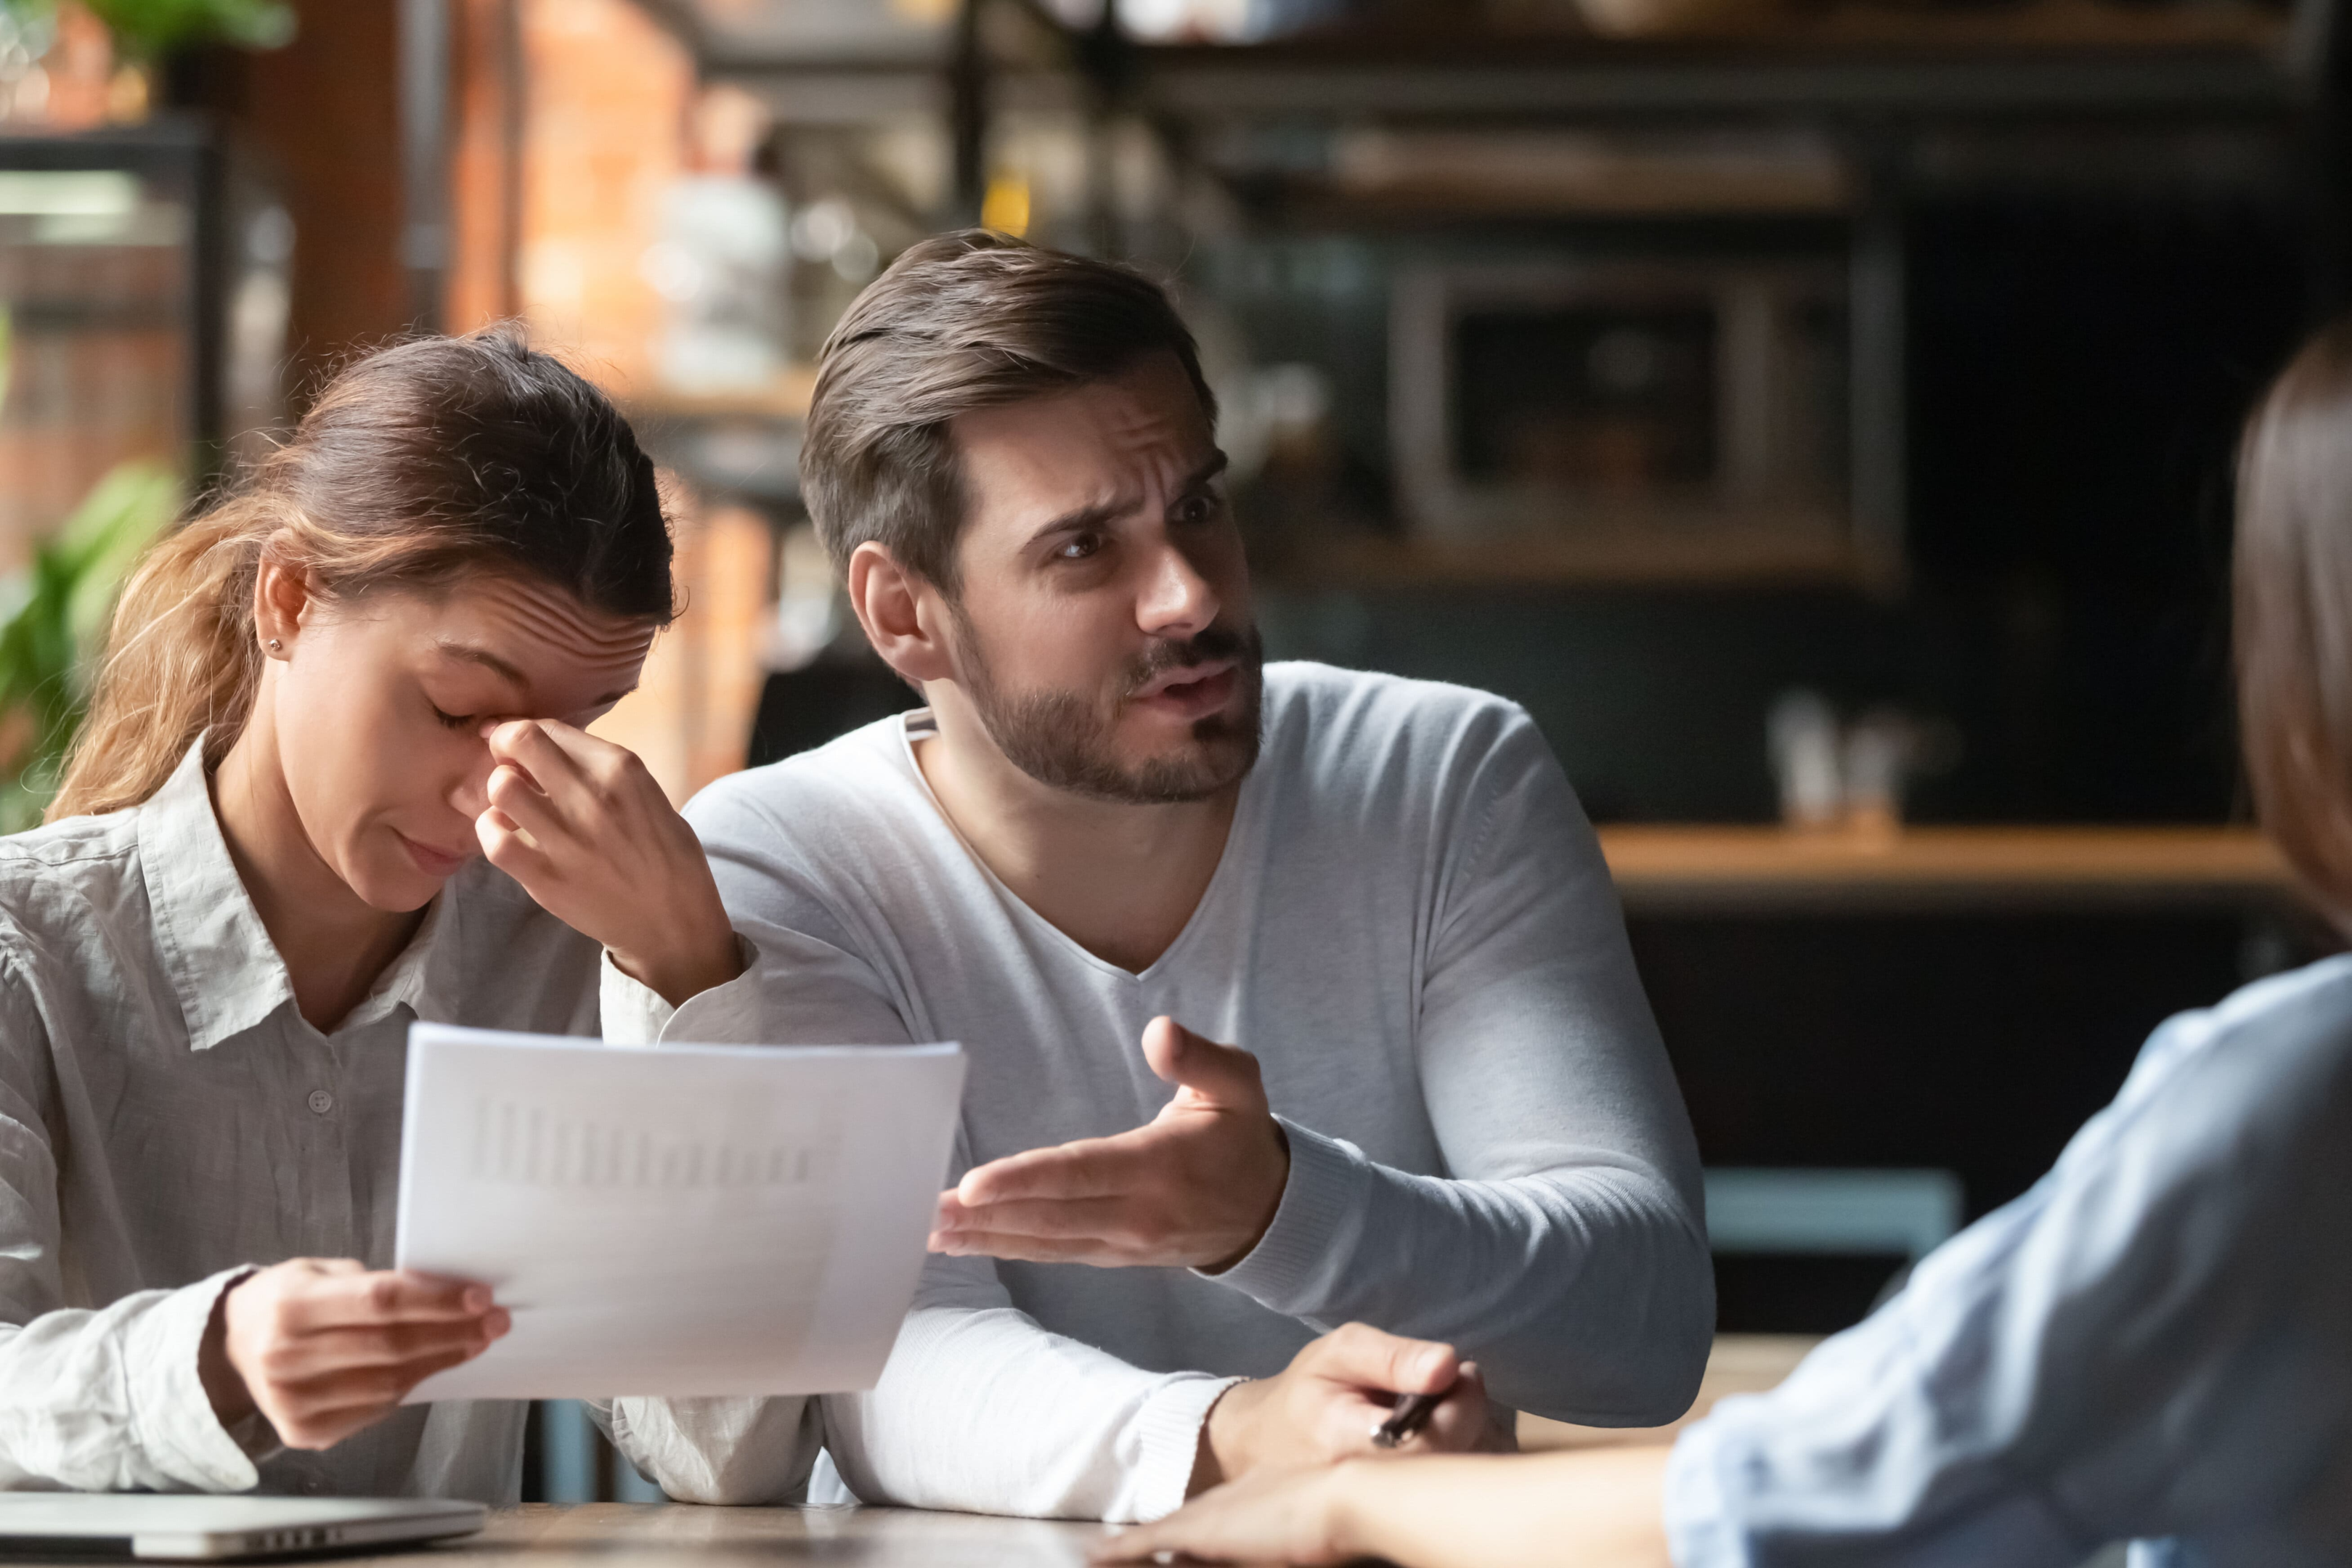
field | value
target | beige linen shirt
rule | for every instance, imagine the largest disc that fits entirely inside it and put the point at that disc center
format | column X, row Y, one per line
column 168, row 1120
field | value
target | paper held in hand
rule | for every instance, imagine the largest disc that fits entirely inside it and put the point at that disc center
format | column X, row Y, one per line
column 685, row 1220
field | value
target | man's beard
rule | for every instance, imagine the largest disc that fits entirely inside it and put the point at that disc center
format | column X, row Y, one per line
column 1060, row 739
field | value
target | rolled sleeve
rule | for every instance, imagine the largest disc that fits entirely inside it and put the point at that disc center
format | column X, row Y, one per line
column 1169, row 1429
column 172, row 1416
column 635, row 1014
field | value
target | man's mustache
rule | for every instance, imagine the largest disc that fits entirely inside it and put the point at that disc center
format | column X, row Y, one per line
column 1210, row 644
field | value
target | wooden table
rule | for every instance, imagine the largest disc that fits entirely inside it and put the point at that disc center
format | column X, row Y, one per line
column 677, row 1535
column 681, row 1535
column 1740, row 1364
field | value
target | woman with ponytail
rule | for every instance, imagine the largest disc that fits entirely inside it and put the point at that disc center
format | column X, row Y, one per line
column 334, row 779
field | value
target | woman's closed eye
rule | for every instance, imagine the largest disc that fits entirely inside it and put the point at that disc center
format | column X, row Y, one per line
column 456, row 720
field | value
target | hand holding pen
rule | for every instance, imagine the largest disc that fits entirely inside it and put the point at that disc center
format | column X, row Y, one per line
column 1335, row 1395
column 1411, row 1413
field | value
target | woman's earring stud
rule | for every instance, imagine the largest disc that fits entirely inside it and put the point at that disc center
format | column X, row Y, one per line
column 275, row 646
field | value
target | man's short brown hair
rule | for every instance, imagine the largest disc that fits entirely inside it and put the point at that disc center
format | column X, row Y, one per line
column 960, row 321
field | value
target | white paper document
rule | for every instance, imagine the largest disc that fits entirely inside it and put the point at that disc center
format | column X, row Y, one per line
column 683, row 1220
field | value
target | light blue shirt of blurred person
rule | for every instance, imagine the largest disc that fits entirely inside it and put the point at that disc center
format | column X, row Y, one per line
column 2153, row 1343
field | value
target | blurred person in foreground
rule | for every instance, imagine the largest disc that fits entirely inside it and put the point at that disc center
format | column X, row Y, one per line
column 1293, row 995
column 2153, row 1344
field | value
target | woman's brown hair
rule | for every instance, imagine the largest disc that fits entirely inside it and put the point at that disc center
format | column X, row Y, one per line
column 2292, row 615
column 419, row 464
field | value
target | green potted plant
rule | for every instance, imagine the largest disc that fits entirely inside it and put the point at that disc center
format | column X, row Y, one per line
column 52, row 614
column 145, row 30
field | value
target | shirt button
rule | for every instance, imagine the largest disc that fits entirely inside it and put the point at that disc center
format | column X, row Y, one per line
column 322, row 1102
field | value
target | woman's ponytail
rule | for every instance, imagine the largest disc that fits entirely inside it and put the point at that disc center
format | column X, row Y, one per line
column 179, row 661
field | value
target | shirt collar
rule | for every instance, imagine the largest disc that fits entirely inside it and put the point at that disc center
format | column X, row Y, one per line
column 222, row 965
column 424, row 979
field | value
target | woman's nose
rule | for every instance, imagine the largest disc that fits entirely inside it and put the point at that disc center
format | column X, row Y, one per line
column 471, row 794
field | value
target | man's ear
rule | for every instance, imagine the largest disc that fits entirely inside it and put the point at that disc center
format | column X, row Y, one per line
column 281, row 601
column 903, row 616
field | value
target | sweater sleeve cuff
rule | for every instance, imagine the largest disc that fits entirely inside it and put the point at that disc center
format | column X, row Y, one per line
column 1169, row 1426
column 173, row 1416
column 633, row 1013
column 1297, row 1264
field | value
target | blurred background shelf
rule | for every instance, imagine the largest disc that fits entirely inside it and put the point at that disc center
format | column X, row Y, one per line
column 1663, row 869
column 1755, row 558
column 2071, row 60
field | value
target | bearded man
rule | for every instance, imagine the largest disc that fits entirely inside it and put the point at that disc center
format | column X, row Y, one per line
column 1294, row 996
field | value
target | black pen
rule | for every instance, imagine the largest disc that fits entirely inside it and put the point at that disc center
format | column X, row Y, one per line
column 1410, row 1415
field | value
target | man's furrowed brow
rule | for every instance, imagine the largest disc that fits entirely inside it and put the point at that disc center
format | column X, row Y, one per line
column 1094, row 514
column 1201, row 476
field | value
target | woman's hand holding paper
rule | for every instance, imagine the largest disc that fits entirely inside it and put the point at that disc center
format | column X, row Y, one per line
column 322, row 1347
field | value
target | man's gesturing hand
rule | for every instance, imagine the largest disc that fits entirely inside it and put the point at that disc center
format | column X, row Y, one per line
column 322, row 1347
column 1325, row 1405
column 1193, row 1188
column 589, row 834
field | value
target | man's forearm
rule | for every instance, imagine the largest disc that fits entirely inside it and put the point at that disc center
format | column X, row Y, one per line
column 982, row 1410
column 1585, row 1293
column 1599, row 1508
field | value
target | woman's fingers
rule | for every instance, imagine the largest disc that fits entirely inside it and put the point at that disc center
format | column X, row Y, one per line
column 589, row 833
column 525, row 805
column 323, row 1411
column 303, row 1356
column 589, row 753
column 562, row 760
column 1286, row 1517
column 564, row 787
column 525, row 744
column 506, row 846
column 386, row 1296
column 323, row 1346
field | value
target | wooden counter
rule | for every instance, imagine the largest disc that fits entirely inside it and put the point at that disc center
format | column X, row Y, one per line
column 1740, row 1364
column 1737, row 869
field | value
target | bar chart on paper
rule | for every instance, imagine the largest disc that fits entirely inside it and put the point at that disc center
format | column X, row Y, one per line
column 517, row 1142
column 691, row 1220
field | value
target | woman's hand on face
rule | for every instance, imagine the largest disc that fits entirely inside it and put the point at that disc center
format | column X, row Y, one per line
column 324, row 1346
column 589, row 834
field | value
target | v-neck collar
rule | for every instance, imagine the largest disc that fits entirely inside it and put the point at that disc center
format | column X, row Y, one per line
column 919, row 724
